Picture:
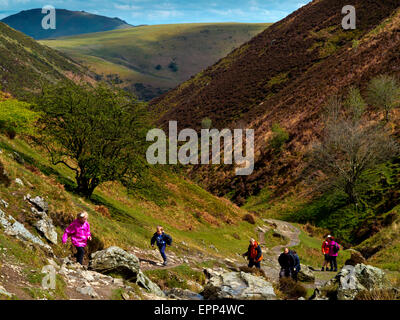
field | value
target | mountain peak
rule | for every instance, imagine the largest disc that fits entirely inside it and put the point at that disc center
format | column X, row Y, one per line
column 68, row 23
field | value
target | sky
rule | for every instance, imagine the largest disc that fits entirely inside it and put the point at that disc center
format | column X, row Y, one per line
column 137, row 12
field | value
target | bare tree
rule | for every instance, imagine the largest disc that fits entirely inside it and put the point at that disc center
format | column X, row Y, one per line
column 350, row 145
column 384, row 93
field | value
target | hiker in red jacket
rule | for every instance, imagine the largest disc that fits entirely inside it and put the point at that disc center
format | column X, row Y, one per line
column 333, row 253
column 254, row 254
column 325, row 252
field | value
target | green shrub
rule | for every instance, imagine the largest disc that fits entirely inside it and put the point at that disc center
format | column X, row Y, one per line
column 279, row 137
column 16, row 117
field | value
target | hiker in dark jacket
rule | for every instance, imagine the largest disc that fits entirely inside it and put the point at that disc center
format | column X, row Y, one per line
column 296, row 267
column 162, row 240
column 286, row 261
column 254, row 254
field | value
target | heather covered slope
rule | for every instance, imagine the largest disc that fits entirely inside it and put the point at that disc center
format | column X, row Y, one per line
column 285, row 75
column 24, row 63
column 67, row 23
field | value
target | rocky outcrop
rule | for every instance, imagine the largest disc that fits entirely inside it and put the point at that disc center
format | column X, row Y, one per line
column 352, row 280
column 45, row 225
column 355, row 258
column 116, row 260
column 40, row 204
column 17, row 229
column 237, row 286
column 305, row 274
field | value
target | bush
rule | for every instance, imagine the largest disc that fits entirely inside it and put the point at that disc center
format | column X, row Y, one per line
column 291, row 289
column 249, row 218
column 279, row 137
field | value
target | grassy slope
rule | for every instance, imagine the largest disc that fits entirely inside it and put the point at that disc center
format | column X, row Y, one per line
column 134, row 53
column 188, row 213
column 23, row 61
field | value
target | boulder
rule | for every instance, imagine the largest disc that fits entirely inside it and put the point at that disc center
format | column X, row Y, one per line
column 305, row 274
column 355, row 258
column 238, row 286
column 352, row 280
column 116, row 260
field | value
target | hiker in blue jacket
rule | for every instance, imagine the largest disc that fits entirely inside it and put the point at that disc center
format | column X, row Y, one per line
column 162, row 240
column 296, row 267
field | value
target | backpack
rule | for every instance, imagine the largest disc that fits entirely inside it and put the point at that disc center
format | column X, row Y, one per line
column 335, row 248
column 168, row 239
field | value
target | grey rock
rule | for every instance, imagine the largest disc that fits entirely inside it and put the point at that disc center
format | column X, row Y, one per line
column 146, row 283
column 352, row 280
column 89, row 291
column 116, row 260
column 38, row 202
column 4, row 203
column 181, row 294
column 19, row 182
column 305, row 274
column 17, row 229
column 238, row 286
column 46, row 227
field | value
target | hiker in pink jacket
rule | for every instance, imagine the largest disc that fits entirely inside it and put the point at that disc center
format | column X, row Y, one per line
column 334, row 248
column 79, row 231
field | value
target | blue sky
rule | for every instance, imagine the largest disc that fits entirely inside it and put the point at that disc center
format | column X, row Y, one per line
column 168, row 11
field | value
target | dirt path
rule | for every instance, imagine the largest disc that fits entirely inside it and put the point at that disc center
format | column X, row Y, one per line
column 270, row 263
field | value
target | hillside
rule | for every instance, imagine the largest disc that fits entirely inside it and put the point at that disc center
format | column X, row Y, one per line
column 150, row 60
column 284, row 75
column 24, row 63
column 68, row 23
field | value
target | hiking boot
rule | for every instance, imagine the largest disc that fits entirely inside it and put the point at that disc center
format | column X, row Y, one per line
column 335, row 270
column 323, row 269
column 165, row 263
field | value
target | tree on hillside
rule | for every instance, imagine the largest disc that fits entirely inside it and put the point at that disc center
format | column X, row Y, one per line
column 99, row 133
column 349, row 146
column 384, row 94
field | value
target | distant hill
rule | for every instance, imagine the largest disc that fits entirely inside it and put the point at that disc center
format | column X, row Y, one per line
column 150, row 60
column 67, row 23
column 24, row 63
